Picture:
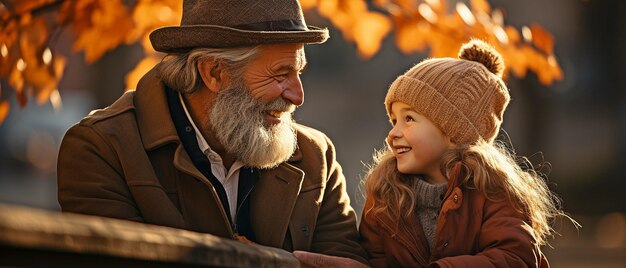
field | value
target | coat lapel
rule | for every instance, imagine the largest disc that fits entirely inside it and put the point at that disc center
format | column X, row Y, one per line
column 199, row 203
column 153, row 116
column 272, row 202
column 183, row 163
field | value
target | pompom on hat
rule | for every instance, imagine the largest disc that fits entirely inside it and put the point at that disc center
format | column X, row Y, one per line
column 236, row 23
column 464, row 97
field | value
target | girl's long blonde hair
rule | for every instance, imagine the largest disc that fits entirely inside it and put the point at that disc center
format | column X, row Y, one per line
column 487, row 167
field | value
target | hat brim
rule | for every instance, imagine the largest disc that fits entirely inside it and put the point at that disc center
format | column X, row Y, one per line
column 184, row 38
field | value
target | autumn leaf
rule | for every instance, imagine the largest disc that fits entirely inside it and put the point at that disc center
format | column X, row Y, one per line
column 481, row 6
column 410, row 36
column 513, row 34
column 28, row 6
column 369, row 32
column 148, row 15
column 133, row 77
column 542, row 39
column 307, row 4
column 440, row 7
column 367, row 29
column 109, row 27
column 4, row 110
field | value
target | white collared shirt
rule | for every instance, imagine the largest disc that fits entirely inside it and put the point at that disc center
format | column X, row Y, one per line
column 230, row 179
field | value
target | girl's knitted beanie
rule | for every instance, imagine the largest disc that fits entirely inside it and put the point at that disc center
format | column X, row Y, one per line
column 464, row 97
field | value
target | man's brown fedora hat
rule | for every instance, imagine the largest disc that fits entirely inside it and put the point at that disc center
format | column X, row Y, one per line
column 236, row 23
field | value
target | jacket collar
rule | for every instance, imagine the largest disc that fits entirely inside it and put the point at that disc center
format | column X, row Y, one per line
column 153, row 116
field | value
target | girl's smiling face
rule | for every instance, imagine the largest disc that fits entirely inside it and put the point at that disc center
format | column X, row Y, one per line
column 417, row 143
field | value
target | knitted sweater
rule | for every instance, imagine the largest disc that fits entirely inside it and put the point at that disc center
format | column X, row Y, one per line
column 429, row 199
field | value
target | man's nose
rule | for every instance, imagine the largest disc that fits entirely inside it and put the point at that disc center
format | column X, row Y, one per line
column 294, row 92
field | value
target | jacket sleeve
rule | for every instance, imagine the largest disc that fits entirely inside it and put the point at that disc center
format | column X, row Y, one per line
column 505, row 240
column 371, row 240
column 336, row 228
column 89, row 177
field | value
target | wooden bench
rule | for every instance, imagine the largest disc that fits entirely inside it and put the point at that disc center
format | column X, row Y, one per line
column 38, row 238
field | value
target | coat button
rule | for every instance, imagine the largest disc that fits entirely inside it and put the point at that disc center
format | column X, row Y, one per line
column 445, row 244
column 456, row 198
column 188, row 129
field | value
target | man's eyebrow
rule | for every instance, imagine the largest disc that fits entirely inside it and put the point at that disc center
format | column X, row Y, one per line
column 291, row 67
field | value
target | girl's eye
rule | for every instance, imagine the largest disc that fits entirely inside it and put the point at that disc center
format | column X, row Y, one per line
column 393, row 122
column 409, row 118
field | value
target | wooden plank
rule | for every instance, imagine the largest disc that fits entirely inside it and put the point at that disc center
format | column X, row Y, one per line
column 31, row 231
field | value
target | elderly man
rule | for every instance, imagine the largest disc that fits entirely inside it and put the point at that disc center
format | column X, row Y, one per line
column 207, row 142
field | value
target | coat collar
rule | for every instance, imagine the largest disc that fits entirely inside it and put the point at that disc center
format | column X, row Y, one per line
column 153, row 116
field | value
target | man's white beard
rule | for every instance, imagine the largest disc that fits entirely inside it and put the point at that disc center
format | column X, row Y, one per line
column 238, row 123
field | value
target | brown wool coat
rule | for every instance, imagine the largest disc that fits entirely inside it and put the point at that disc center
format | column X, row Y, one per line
column 471, row 232
column 126, row 161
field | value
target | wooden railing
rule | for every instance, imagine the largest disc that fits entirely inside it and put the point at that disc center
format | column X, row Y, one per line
column 37, row 238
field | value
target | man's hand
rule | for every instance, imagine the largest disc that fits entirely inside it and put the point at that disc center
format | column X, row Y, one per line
column 310, row 259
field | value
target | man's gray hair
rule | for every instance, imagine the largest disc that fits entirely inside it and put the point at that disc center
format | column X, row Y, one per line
column 180, row 71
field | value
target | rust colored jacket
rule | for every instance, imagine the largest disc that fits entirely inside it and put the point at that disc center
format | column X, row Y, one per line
column 471, row 232
column 127, row 162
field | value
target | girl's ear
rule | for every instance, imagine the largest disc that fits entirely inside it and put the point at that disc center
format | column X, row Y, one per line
column 212, row 74
column 451, row 143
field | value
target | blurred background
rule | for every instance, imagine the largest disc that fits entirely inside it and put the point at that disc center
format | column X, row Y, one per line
column 577, row 124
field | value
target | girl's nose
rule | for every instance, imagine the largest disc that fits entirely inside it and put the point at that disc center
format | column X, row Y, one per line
column 394, row 133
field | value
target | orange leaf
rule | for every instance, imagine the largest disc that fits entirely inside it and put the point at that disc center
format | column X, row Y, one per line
column 411, row 36
column 328, row 8
column 439, row 6
column 4, row 110
column 33, row 40
column 542, row 38
column 481, row 6
column 28, row 6
column 353, row 6
column 307, row 4
column 16, row 80
column 369, row 32
column 45, row 79
column 110, row 25
column 513, row 34
column 132, row 78
column 148, row 15
column 516, row 61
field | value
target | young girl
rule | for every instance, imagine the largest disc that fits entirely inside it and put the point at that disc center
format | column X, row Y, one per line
column 443, row 193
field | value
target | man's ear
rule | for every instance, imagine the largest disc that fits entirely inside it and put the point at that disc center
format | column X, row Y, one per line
column 212, row 74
